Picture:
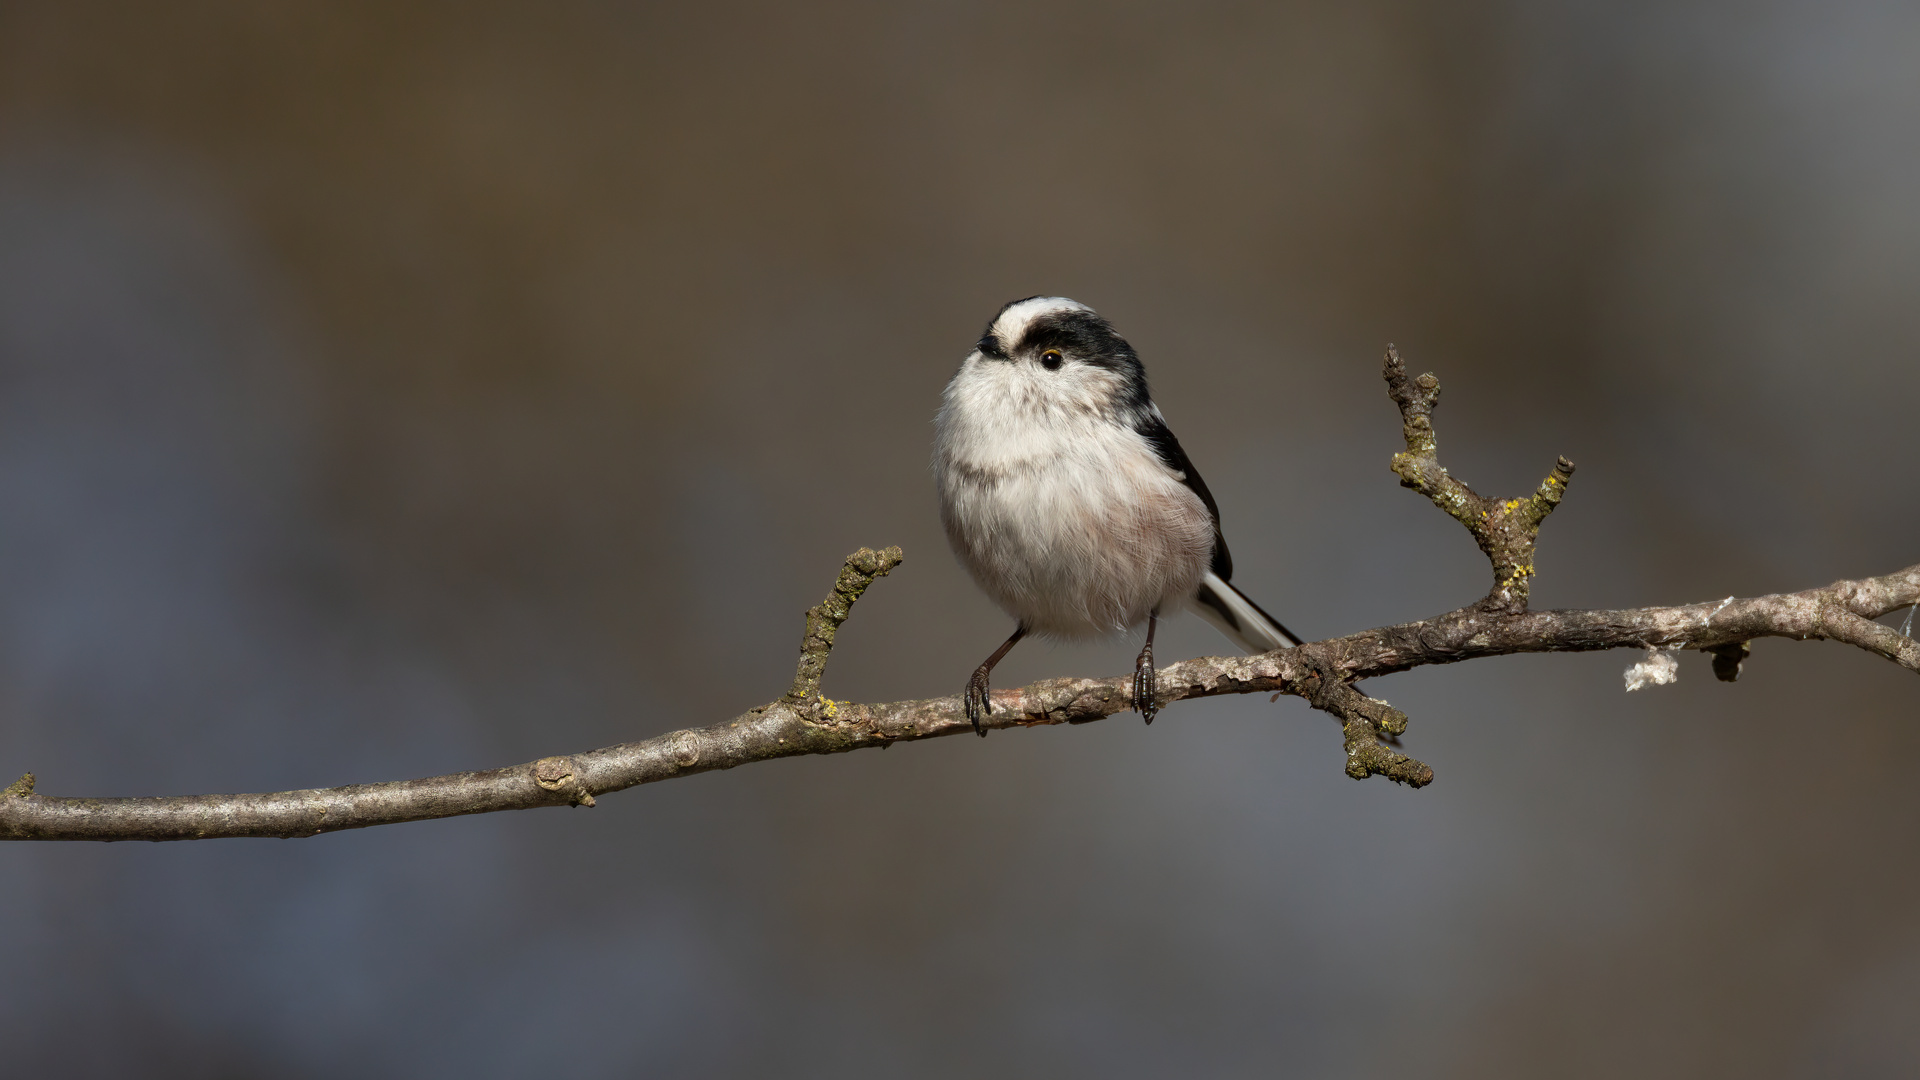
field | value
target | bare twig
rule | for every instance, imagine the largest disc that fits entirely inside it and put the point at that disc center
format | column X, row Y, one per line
column 824, row 619
column 803, row 722
column 1505, row 529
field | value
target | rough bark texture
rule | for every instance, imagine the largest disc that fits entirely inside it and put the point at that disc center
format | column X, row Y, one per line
column 803, row 722
column 1505, row 529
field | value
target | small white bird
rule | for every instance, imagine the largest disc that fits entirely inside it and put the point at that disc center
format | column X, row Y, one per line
column 1068, row 499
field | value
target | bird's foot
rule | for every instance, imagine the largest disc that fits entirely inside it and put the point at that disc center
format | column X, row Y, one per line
column 978, row 703
column 1144, row 685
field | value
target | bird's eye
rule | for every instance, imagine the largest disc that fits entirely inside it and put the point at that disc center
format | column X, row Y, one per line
column 1051, row 359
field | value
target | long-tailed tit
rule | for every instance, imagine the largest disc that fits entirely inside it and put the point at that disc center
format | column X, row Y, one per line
column 1068, row 499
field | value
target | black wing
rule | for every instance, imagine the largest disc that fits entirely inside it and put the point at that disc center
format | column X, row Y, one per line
column 1154, row 430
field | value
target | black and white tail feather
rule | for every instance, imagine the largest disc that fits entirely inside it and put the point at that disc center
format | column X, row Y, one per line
column 1234, row 614
column 1069, row 500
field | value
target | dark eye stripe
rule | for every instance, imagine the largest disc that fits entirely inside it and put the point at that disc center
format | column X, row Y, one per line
column 1089, row 339
column 1081, row 333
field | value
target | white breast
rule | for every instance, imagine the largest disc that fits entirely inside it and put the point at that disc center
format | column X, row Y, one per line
column 1062, row 512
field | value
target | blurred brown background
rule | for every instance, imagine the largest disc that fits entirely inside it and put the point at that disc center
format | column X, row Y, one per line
column 390, row 389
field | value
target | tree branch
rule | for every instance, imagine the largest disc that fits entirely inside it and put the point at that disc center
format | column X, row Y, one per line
column 1505, row 529
column 824, row 619
column 803, row 722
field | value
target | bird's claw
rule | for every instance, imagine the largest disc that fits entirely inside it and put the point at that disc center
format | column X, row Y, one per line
column 978, row 701
column 1144, row 686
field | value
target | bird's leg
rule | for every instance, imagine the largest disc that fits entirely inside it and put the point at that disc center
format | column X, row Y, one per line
column 1143, row 681
column 977, row 703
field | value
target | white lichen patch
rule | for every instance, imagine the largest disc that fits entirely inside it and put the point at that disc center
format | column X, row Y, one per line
column 1658, row 669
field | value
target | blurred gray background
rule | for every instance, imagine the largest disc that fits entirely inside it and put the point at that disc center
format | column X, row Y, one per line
column 392, row 389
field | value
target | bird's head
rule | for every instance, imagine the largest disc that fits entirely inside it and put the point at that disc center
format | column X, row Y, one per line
column 1054, row 340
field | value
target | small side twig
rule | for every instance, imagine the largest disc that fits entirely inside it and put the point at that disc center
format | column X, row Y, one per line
column 824, row 618
column 1366, row 725
column 1505, row 529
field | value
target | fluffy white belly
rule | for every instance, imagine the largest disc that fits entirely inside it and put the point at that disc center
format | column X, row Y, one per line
column 1083, row 533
